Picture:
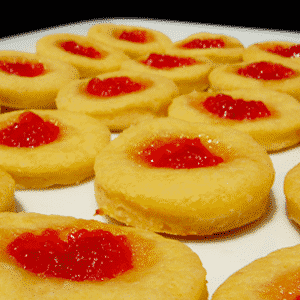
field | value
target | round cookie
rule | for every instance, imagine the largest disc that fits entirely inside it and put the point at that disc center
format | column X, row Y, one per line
column 118, row 111
column 183, row 199
column 7, row 191
column 283, row 77
column 159, row 268
column 275, row 276
column 219, row 48
column 277, row 128
column 188, row 73
column 291, row 191
column 29, row 81
column 50, row 147
column 276, row 51
column 134, row 41
column 89, row 57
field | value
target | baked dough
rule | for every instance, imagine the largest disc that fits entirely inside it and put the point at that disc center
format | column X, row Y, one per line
column 162, row 268
column 278, row 131
column 232, row 52
column 7, row 191
column 119, row 112
column 110, row 60
column 109, row 34
column 67, row 160
column 226, row 78
column 259, row 51
column 275, row 276
column 200, row 201
column 187, row 78
column 39, row 92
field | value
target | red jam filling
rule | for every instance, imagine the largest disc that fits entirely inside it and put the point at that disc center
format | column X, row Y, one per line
column 26, row 69
column 293, row 51
column 237, row 109
column 178, row 153
column 30, row 131
column 266, row 71
column 73, row 47
column 134, row 36
column 163, row 61
column 111, row 87
column 204, row 44
column 86, row 255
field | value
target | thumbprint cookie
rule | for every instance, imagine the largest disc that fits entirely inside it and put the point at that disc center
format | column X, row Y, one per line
column 40, row 148
column 281, row 77
column 54, row 257
column 88, row 56
column 119, row 99
column 7, row 190
column 28, row 81
column 275, row 276
column 134, row 41
column 270, row 117
column 188, row 73
column 219, row 48
column 183, row 178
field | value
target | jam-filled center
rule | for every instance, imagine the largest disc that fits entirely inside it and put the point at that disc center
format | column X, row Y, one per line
column 291, row 52
column 226, row 107
column 266, row 71
column 134, row 36
column 204, row 44
column 29, row 131
column 24, row 69
column 164, row 61
column 114, row 86
column 86, row 255
column 75, row 48
column 177, row 153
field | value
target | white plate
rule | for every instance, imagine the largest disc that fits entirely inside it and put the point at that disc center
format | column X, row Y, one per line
column 223, row 255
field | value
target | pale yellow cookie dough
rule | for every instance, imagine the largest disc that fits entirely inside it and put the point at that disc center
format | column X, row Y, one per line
column 67, row 160
column 162, row 268
column 7, row 190
column 276, row 132
column 111, row 59
column 119, row 112
column 38, row 92
column 199, row 201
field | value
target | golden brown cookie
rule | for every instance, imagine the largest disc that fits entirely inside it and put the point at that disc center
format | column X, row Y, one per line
column 276, row 51
column 29, row 81
column 283, row 77
column 146, row 265
column 270, row 117
column 219, row 48
column 275, row 276
column 42, row 148
column 7, row 190
column 188, row 73
column 89, row 57
column 134, row 41
column 119, row 99
column 178, row 177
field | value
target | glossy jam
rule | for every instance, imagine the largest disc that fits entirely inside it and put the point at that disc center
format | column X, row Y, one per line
column 226, row 107
column 30, row 131
column 293, row 51
column 86, row 255
column 204, row 44
column 24, row 69
column 75, row 48
column 266, row 71
column 163, row 61
column 134, row 36
column 177, row 153
column 112, row 87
